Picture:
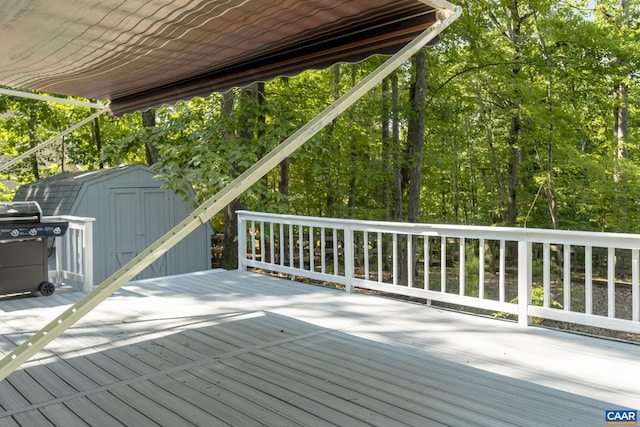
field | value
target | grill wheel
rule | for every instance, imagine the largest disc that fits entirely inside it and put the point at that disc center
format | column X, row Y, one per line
column 47, row 288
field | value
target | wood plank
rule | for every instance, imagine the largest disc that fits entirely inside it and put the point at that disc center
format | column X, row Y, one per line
column 334, row 392
column 159, row 390
column 10, row 397
column 150, row 408
column 60, row 415
column 314, row 412
column 29, row 388
column 91, row 413
column 243, row 387
column 253, row 413
column 32, row 418
column 127, row 413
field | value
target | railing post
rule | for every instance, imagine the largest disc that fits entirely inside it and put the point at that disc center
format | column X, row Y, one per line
column 524, row 282
column 242, row 242
column 349, row 254
column 87, row 243
column 58, row 245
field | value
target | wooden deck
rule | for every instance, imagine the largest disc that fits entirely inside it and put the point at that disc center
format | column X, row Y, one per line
column 242, row 349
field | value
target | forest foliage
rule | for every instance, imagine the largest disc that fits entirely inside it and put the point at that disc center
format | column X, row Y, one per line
column 530, row 119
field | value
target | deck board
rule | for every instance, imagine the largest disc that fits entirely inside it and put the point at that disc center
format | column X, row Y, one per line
column 239, row 348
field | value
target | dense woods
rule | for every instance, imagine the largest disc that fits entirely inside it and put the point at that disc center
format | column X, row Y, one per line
column 524, row 114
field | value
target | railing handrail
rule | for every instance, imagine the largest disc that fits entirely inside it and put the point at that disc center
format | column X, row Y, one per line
column 538, row 235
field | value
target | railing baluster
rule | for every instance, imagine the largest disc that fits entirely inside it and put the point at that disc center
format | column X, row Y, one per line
column 443, row 264
column 461, row 269
column 312, row 259
column 335, row 252
column 566, row 265
column 635, row 285
column 262, row 251
column 291, row 247
column 611, row 282
column 481, row 268
column 272, row 243
column 253, row 240
column 588, row 280
column 409, row 260
column 395, row 259
column 323, row 250
column 427, row 262
column 501, row 278
column 380, row 257
column 282, row 244
column 366, row 255
column 546, row 275
column 301, row 247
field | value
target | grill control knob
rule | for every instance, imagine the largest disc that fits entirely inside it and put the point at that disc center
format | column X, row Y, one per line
column 33, row 232
column 57, row 230
column 15, row 232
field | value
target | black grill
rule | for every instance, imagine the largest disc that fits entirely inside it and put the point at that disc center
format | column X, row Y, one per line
column 23, row 248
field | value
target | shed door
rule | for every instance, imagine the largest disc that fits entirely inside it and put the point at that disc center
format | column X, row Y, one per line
column 138, row 217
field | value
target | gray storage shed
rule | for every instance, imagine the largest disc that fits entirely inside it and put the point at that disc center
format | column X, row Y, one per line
column 131, row 211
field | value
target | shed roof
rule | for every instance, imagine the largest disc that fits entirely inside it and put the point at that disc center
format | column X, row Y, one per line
column 57, row 194
column 143, row 53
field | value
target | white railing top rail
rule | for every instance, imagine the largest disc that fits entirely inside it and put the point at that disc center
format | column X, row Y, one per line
column 538, row 235
column 69, row 218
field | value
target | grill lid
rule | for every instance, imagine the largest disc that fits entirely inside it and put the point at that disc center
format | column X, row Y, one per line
column 20, row 211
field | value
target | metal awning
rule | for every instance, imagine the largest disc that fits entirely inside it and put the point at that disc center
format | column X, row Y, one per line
column 138, row 54
column 142, row 53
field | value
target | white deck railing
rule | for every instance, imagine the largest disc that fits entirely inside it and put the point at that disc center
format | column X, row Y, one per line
column 74, row 253
column 568, row 276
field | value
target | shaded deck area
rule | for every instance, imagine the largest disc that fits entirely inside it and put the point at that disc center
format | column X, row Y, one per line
column 238, row 348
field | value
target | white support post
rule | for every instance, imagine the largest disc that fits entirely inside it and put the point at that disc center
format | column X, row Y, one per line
column 242, row 242
column 58, row 273
column 87, row 268
column 216, row 203
column 349, row 255
column 524, row 282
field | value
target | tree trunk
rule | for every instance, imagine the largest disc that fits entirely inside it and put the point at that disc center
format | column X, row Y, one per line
column 97, row 138
column 33, row 142
column 386, row 150
column 415, row 136
column 229, row 258
column 151, row 151
column 396, row 150
column 512, row 171
column 495, row 166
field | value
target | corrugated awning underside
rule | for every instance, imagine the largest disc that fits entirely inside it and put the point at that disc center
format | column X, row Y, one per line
column 138, row 54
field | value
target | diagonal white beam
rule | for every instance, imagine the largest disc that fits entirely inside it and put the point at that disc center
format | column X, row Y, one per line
column 40, row 97
column 49, row 141
column 215, row 204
